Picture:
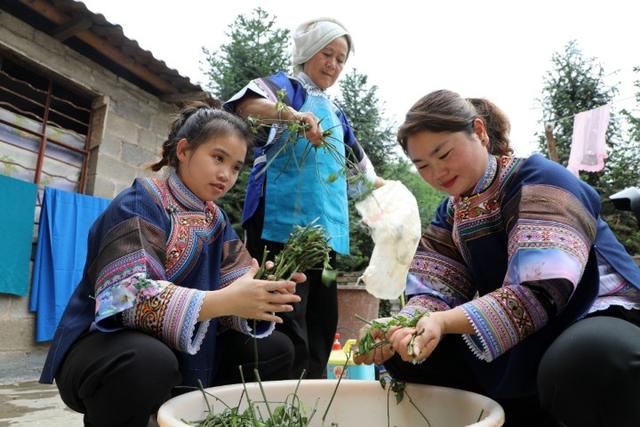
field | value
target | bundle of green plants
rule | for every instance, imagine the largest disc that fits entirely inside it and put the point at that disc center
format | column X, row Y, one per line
column 307, row 247
column 368, row 343
column 297, row 129
column 289, row 413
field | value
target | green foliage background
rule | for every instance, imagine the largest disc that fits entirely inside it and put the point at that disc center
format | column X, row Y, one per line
column 575, row 84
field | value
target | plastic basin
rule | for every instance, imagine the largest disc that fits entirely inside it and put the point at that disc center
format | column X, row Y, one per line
column 357, row 403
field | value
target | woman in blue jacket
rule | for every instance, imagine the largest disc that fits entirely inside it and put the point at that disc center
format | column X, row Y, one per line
column 531, row 300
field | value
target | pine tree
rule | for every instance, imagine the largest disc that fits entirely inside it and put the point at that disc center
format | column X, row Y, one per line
column 256, row 48
column 625, row 222
column 632, row 142
column 365, row 114
column 576, row 84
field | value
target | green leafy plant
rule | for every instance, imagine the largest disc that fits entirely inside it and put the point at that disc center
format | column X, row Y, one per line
column 289, row 413
column 297, row 129
column 368, row 343
column 306, row 248
column 399, row 389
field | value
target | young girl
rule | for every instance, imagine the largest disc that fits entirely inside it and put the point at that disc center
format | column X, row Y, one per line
column 532, row 300
column 165, row 276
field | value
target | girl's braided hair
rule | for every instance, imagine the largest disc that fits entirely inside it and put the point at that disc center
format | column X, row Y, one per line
column 197, row 122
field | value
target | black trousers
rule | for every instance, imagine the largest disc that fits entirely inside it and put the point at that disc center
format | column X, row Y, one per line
column 312, row 324
column 589, row 376
column 119, row 379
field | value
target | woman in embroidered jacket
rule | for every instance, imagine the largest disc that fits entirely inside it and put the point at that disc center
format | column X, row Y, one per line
column 293, row 192
column 519, row 268
column 165, row 275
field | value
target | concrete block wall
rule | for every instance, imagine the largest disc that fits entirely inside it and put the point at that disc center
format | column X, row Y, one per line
column 128, row 127
column 20, row 356
column 130, row 142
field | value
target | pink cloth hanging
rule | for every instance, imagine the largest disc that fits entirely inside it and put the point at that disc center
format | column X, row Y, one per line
column 588, row 144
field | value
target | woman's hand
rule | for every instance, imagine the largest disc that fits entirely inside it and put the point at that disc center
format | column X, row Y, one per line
column 416, row 344
column 313, row 132
column 260, row 299
column 254, row 106
column 381, row 353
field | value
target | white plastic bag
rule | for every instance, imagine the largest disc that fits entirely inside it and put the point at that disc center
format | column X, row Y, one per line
column 391, row 212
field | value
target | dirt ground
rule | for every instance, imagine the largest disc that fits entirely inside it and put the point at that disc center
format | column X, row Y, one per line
column 27, row 404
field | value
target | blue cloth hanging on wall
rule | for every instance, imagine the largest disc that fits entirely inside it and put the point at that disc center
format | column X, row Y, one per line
column 16, row 228
column 65, row 220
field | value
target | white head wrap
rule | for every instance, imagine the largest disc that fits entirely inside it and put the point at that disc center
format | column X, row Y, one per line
column 311, row 36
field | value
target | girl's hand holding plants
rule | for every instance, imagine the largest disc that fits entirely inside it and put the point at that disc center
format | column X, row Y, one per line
column 260, row 299
column 297, row 277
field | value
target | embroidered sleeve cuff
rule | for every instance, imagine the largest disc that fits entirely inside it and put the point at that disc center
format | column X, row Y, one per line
column 440, row 277
column 246, row 326
column 171, row 316
column 262, row 328
column 229, row 277
column 423, row 303
column 122, row 296
column 502, row 319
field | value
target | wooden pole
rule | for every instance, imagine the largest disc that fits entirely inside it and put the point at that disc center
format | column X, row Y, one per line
column 551, row 142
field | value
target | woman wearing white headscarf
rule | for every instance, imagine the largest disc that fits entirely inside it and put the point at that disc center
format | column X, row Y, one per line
column 296, row 192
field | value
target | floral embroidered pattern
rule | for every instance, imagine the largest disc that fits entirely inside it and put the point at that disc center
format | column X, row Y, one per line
column 194, row 223
column 148, row 315
column 189, row 232
column 502, row 319
column 467, row 209
column 423, row 303
column 480, row 213
column 172, row 316
column 123, row 282
column 435, row 273
column 528, row 234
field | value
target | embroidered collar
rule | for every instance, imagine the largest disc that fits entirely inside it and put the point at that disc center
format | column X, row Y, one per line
column 185, row 196
column 309, row 85
column 488, row 176
column 483, row 184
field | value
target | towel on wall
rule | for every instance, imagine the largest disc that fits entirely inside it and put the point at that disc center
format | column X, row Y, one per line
column 16, row 228
column 65, row 220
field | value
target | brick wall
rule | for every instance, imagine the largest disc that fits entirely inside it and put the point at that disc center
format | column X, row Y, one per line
column 128, row 128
